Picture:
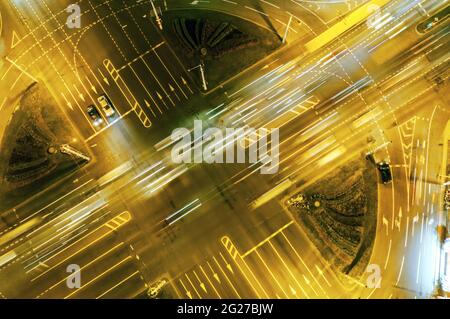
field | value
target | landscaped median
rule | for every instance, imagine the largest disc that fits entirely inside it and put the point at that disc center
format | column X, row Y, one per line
column 339, row 215
column 30, row 156
column 223, row 45
column 442, row 229
column 443, row 287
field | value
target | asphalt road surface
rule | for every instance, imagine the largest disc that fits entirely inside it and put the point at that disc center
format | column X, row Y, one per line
column 132, row 217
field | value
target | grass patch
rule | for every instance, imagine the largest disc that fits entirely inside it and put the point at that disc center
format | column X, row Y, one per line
column 339, row 215
column 225, row 44
column 26, row 166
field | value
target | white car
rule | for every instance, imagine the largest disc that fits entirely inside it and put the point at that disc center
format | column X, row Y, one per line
column 106, row 105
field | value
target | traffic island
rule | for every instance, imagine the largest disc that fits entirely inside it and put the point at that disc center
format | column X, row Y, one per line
column 443, row 283
column 38, row 148
column 339, row 215
column 214, row 46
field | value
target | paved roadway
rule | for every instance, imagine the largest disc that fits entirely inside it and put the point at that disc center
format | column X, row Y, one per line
column 115, row 229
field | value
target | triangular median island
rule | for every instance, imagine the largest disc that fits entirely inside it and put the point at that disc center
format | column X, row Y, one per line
column 27, row 164
column 224, row 44
column 339, row 215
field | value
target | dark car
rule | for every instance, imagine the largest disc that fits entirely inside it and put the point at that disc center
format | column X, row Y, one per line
column 385, row 172
column 94, row 114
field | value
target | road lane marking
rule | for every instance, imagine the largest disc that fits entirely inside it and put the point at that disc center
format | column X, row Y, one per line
column 246, row 266
column 175, row 288
column 107, row 31
column 320, row 271
column 406, row 233
column 57, row 46
column 226, row 277
column 105, row 79
column 201, row 283
column 68, row 103
column 385, row 222
column 16, row 81
column 78, row 251
column 157, row 80
column 210, row 282
column 231, row 249
column 270, row 4
column 228, row 265
column 118, row 220
column 80, row 95
column 140, row 56
column 418, row 267
column 400, row 272
column 122, row 27
column 215, row 275
column 127, row 93
column 97, row 277
column 428, row 144
column 93, row 88
column 108, row 126
column 289, row 271
column 257, row 11
column 154, row 51
column 343, row 26
column 3, row 103
column 421, row 227
column 308, row 282
column 284, row 24
column 21, row 69
column 118, row 284
column 192, row 285
column 271, row 273
column 55, row 201
column 388, row 254
column 280, row 230
column 188, row 293
column 64, row 231
column 374, row 289
column 414, row 221
column 67, row 61
column 303, row 262
column 7, row 71
column 88, row 264
column 148, row 93
column 407, row 132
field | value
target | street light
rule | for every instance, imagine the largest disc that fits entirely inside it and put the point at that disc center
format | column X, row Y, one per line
column 287, row 30
column 69, row 150
column 202, row 74
column 157, row 17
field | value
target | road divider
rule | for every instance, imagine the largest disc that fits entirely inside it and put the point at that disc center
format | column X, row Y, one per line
column 274, row 192
column 357, row 16
column 123, row 87
column 179, row 214
column 92, row 238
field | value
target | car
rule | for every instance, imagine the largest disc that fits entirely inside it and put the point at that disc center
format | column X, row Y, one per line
column 95, row 115
column 385, row 172
column 106, row 105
